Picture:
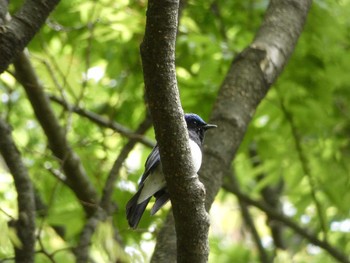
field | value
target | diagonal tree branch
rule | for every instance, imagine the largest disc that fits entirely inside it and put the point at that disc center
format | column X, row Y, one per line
column 104, row 122
column 25, row 225
column 250, row 76
column 305, row 167
column 82, row 250
column 334, row 252
column 186, row 192
column 17, row 33
column 271, row 194
column 248, row 220
column 77, row 178
column 264, row 257
column 112, row 177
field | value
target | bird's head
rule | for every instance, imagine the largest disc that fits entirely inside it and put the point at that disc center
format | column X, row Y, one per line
column 196, row 123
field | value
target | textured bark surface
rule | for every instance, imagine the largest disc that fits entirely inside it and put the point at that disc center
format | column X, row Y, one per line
column 17, row 33
column 25, row 224
column 246, row 84
column 251, row 74
column 186, row 192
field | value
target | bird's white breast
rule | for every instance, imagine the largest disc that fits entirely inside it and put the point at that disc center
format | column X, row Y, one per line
column 196, row 154
column 156, row 181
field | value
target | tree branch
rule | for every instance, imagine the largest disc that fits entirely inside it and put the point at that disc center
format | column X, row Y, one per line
column 17, row 33
column 82, row 250
column 112, row 177
column 271, row 213
column 164, row 242
column 186, row 192
column 77, row 178
column 271, row 195
column 25, row 225
column 305, row 167
column 104, row 122
column 246, row 84
column 264, row 257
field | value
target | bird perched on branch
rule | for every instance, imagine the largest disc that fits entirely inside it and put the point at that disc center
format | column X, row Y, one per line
column 153, row 183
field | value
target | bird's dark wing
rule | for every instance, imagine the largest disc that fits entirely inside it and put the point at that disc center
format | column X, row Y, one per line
column 162, row 197
column 153, row 160
column 134, row 211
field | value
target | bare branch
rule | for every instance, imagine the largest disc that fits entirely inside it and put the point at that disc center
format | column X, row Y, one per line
column 25, row 225
column 77, row 178
column 112, row 177
column 264, row 257
column 334, row 252
column 104, row 122
column 17, row 33
column 305, row 167
column 82, row 250
column 91, row 28
column 271, row 195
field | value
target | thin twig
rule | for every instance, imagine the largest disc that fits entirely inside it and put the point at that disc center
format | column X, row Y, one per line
column 271, row 195
column 98, row 119
column 305, row 166
column 90, row 28
column 264, row 257
column 76, row 175
column 49, row 205
column 60, row 88
column 7, row 214
column 57, row 69
column 312, row 238
column 42, row 250
column 105, row 207
column 108, row 188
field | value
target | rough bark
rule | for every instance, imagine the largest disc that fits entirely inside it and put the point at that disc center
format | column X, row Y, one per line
column 246, row 84
column 25, row 224
column 17, row 33
column 251, row 74
column 186, row 192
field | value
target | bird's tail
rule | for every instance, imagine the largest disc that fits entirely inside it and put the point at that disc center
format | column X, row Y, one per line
column 134, row 211
column 162, row 197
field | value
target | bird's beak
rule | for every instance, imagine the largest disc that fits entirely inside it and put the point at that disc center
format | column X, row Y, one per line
column 210, row 126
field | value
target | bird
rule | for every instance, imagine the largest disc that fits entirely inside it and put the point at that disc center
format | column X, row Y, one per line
column 152, row 182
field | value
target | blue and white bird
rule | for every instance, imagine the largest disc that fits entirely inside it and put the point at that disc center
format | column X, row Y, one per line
column 153, row 183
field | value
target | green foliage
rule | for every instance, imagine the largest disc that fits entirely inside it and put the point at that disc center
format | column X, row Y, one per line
column 88, row 54
column 314, row 90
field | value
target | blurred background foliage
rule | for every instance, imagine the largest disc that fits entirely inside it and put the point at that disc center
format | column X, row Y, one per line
column 88, row 55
